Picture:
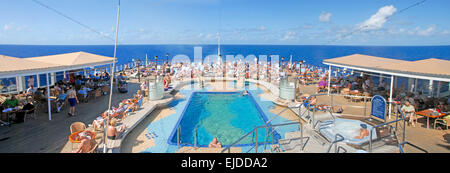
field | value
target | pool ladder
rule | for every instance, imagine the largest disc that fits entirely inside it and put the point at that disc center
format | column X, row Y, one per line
column 179, row 138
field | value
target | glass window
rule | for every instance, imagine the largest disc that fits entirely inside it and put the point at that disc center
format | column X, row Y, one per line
column 8, row 85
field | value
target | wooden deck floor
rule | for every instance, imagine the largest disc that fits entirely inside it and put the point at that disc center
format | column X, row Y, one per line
column 45, row 136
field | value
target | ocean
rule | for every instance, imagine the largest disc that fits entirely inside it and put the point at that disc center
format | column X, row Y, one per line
column 311, row 54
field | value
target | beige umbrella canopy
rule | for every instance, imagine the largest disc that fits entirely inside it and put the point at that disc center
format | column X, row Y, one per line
column 11, row 66
column 74, row 60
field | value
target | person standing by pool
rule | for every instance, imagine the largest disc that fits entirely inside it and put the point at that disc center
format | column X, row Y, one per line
column 73, row 100
column 30, row 81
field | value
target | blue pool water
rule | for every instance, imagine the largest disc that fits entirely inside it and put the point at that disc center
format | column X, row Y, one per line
column 225, row 115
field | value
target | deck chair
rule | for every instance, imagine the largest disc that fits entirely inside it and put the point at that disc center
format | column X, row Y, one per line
column 30, row 113
column 77, row 126
column 366, row 94
column 81, row 98
column 140, row 102
column 442, row 121
column 357, row 99
column 94, row 145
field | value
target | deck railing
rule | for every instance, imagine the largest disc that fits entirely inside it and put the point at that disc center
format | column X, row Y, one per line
column 255, row 130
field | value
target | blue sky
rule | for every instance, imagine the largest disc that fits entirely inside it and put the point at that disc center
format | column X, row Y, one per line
column 290, row 22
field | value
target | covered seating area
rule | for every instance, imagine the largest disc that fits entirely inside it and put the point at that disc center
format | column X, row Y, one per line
column 423, row 83
column 43, row 80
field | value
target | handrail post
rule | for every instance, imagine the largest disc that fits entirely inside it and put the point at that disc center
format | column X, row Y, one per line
column 256, row 144
column 335, row 144
column 265, row 136
column 195, row 138
column 301, row 133
column 331, row 100
column 370, row 141
column 178, row 137
column 365, row 106
column 404, row 129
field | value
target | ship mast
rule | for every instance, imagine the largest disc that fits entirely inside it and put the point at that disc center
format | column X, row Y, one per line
column 219, row 56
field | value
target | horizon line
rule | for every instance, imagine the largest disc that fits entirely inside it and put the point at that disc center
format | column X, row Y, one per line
column 164, row 44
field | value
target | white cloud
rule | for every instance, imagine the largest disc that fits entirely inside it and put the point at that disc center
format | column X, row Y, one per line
column 429, row 31
column 262, row 28
column 377, row 20
column 7, row 27
column 325, row 16
column 289, row 35
column 445, row 32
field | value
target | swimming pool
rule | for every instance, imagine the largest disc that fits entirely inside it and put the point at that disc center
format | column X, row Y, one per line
column 225, row 115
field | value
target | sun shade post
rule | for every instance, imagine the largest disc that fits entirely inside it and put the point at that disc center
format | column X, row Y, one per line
column 49, row 105
column 390, row 95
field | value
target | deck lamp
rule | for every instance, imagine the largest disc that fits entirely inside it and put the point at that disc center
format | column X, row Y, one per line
column 167, row 57
column 138, row 63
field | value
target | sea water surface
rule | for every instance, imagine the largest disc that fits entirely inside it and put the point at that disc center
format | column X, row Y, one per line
column 312, row 54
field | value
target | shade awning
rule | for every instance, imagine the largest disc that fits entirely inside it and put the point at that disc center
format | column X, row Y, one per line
column 13, row 67
column 74, row 60
column 430, row 69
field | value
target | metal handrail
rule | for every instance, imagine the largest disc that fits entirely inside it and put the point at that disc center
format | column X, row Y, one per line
column 400, row 146
column 387, row 123
column 336, row 140
column 340, row 147
column 255, row 130
column 315, row 95
column 195, row 136
column 285, row 109
column 178, row 136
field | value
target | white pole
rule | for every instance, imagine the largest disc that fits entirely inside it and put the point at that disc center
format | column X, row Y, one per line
column 64, row 78
column 438, row 90
column 112, row 76
column 415, row 85
column 390, row 95
column 431, row 88
column 145, row 60
column 329, row 79
column 49, row 105
column 38, row 79
column 17, row 84
column 381, row 78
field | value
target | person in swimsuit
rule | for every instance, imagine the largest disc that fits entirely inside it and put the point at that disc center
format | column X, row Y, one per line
column 215, row 143
column 84, row 145
column 73, row 100
column 113, row 131
column 363, row 132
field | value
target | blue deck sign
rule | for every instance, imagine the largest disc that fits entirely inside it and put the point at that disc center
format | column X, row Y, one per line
column 378, row 108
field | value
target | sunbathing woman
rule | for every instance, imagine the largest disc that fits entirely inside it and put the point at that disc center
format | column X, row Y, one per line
column 322, row 85
column 84, row 145
column 138, row 95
